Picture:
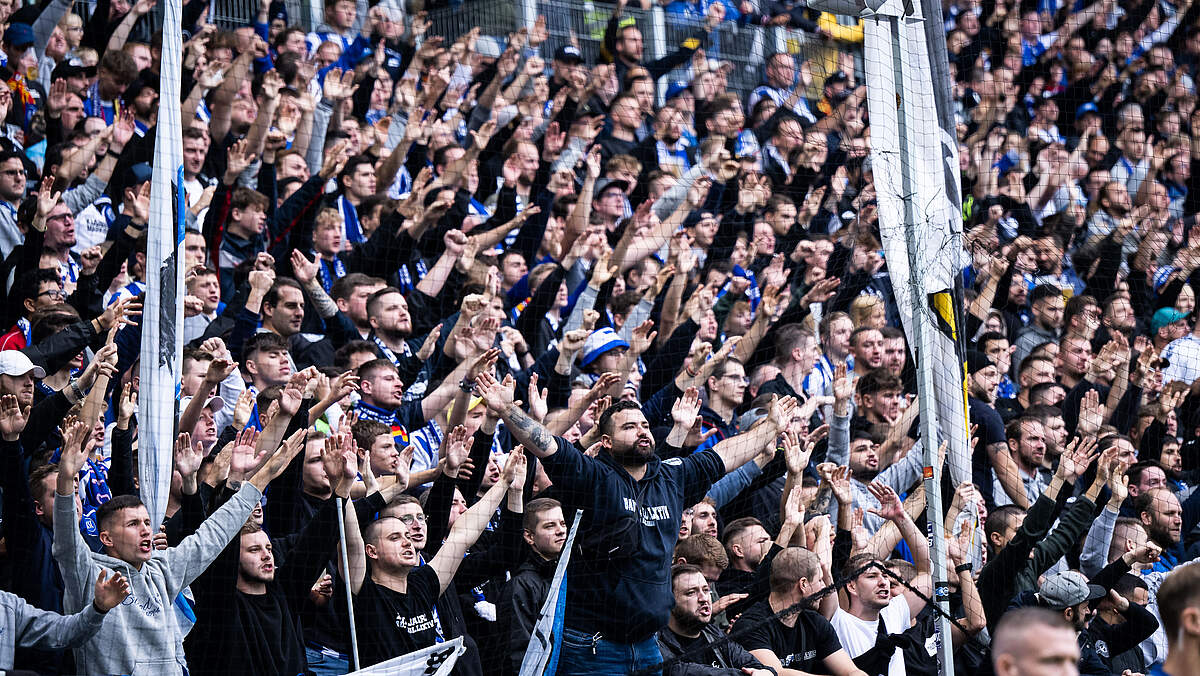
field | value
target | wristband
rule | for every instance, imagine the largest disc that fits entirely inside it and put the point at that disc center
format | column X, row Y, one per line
column 75, row 389
column 97, row 608
column 110, row 153
column 963, row 568
column 467, row 386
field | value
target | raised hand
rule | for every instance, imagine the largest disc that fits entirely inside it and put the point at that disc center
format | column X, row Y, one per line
column 340, row 461
column 686, row 408
column 839, row 484
column 890, row 507
column 781, row 410
column 793, row 508
column 110, row 591
column 279, row 460
column 1091, row 414
column 1078, row 456
column 293, row 393
column 455, row 449
column 430, row 343
column 538, row 407
column 513, row 474
column 188, row 457
column 342, row 386
column 238, row 159
column 243, row 408
column 12, row 418
column 245, row 458
column 304, row 269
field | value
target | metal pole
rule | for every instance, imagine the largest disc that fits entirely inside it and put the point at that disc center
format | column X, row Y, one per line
column 341, row 506
column 921, row 327
column 658, row 47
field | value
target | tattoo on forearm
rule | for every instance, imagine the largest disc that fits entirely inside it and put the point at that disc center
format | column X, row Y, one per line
column 528, row 430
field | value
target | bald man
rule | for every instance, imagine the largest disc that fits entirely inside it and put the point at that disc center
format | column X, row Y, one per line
column 1034, row 642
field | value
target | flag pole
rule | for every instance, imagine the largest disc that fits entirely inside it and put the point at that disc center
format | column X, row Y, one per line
column 341, row 507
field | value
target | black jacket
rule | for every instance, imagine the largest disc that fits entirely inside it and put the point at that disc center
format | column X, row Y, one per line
column 729, row 656
column 520, row 604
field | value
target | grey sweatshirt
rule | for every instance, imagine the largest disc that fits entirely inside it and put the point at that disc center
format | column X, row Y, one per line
column 142, row 635
column 23, row 625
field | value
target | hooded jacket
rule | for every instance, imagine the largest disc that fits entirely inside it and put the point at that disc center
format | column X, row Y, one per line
column 520, row 603
column 27, row 626
column 619, row 580
column 731, row 657
column 142, row 635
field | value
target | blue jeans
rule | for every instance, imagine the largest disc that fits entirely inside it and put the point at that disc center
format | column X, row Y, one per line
column 324, row 664
column 580, row 656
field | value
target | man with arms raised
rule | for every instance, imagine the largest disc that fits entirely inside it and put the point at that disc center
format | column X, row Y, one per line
column 620, row 595
column 143, row 635
column 395, row 603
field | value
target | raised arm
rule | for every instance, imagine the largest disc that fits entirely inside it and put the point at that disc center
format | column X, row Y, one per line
column 528, row 432
column 470, row 525
column 738, row 450
column 892, row 510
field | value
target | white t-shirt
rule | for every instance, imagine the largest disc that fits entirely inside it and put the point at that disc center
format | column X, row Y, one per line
column 858, row 636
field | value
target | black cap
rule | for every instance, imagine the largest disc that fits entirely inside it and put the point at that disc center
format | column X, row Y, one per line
column 72, row 67
column 977, row 361
column 568, row 54
column 837, row 76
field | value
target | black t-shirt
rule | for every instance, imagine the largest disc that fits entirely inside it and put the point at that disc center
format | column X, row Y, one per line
column 803, row 646
column 706, row 656
column 391, row 623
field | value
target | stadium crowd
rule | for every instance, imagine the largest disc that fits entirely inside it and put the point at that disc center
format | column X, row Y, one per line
column 467, row 285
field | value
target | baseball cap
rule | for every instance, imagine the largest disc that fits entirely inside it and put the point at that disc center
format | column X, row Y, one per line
column 750, row 417
column 140, row 173
column 606, row 183
column 1086, row 108
column 71, row 67
column 19, row 35
column 601, row 341
column 1066, row 589
column 977, row 361
column 1165, row 316
column 17, row 363
column 488, row 46
column 568, row 54
column 837, row 76
column 676, row 88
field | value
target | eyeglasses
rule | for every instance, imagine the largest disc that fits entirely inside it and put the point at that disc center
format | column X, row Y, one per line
column 53, row 294
column 60, row 217
column 409, row 519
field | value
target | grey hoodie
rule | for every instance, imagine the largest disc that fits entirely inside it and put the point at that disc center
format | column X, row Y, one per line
column 23, row 625
column 142, row 635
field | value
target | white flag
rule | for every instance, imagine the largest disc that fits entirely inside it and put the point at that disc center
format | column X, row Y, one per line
column 436, row 660
column 930, row 194
column 162, row 316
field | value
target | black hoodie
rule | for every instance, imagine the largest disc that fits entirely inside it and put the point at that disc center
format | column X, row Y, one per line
column 620, row 576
